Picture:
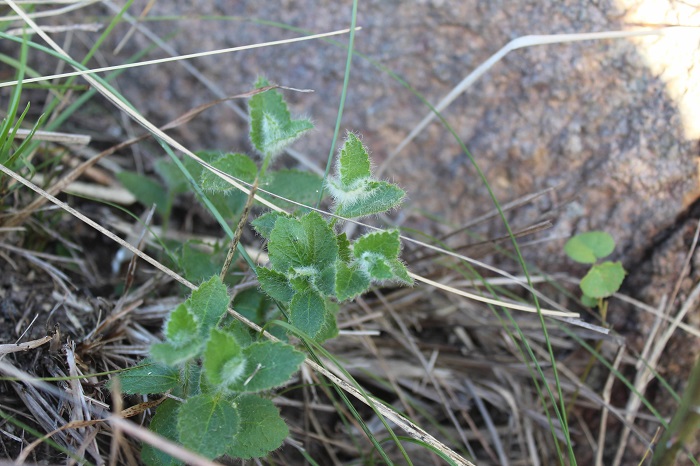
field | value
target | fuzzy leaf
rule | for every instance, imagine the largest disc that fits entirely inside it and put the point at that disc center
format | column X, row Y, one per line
column 377, row 255
column 275, row 284
column 181, row 328
column 377, row 197
column 588, row 247
column 603, row 280
column 172, row 355
column 271, row 126
column 385, row 243
column 324, row 281
column 207, row 423
column 237, row 165
column 147, row 378
column 208, row 303
column 400, row 272
column 344, row 250
column 224, row 362
column 350, row 282
column 353, row 163
column 302, row 187
column 329, row 329
column 163, row 423
column 307, row 311
column 305, row 242
column 266, row 222
column 262, row 429
column 269, row 364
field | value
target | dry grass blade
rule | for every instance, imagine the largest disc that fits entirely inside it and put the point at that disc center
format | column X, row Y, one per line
column 87, row 73
column 26, row 346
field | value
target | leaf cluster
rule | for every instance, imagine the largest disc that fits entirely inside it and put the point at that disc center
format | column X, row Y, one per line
column 220, row 369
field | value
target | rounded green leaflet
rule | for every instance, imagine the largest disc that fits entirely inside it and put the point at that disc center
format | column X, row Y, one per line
column 588, row 247
column 603, row 280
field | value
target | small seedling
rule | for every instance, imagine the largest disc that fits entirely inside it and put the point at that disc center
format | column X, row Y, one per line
column 218, row 367
column 603, row 278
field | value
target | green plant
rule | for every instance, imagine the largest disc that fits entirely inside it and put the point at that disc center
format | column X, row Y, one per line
column 214, row 364
column 603, row 278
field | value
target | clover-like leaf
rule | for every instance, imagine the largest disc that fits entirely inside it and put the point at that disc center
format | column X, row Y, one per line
column 269, row 364
column 206, row 423
column 588, row 247
column 262, row 429
column 307, row 242
column 148, row 377
column 603, row 280
column 163, row 423
column 271, row 126
column 237, row 165
column 224, row 362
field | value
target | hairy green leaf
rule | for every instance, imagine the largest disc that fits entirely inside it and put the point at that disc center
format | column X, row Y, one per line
column 172, row 355
column 148, row 377
column 307, row 311
column 208, row 303
column 377, row 255
column 181, row 327
column 350, row 282
column 307, row 242
column 224, row 362
column 269, row 364
column 603, row 279
column 237, row 165
column 344, row 249
column 262, row 429
column 271, row 126
column 353, row 163
column 275, row 284
column 384, row 243
column 266, row 222
column 588, row 247
column 163, row 423
column 206, row 424
column 376, row 197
